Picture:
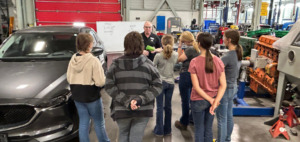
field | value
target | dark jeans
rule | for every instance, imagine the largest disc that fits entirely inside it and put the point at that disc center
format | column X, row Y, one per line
column 185, row 88
column 203, row 125
column 163, row 127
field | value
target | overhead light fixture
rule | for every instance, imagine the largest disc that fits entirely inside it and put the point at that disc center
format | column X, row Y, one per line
column 39, row 46
column 22, row 86
column 78, row 24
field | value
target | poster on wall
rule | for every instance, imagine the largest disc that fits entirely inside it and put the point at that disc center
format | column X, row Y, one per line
column 112, row 34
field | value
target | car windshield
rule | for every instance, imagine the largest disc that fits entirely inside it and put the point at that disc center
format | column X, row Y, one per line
column 36, row 46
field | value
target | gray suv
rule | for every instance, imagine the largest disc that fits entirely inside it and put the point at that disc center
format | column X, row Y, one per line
column 35, row 98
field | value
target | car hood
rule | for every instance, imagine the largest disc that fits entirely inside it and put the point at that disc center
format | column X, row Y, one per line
column 31, row 80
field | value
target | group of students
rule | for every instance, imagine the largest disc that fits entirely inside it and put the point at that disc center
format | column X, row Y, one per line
column 134, row 82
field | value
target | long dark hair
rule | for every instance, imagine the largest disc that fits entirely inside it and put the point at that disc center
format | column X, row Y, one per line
column 206, row 40
column 234, row 35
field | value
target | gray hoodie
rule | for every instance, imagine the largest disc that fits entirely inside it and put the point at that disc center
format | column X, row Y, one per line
column 132, row 78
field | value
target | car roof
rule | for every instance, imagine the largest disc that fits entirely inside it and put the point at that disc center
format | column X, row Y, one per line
column 53, row 29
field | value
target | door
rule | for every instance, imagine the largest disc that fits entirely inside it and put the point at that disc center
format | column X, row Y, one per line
column 66, row 12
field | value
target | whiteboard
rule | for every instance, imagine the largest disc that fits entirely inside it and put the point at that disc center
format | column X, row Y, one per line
column 113, row 33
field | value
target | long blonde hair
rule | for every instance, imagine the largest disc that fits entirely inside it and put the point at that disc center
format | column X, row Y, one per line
column 188, row 36
column 167, row 41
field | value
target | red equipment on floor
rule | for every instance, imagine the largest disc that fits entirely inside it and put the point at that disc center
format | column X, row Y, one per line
column 279, row 128
column 292, row 119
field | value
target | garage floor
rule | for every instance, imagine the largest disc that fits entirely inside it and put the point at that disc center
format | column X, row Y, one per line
column 246, row 129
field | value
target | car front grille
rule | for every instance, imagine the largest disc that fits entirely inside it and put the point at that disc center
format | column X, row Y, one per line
column 14, row 115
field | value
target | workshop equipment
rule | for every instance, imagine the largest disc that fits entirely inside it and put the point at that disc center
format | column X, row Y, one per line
column 264, row 74
column 247, row 44
column 288, row 66
column 279, row 128
column 292, row 119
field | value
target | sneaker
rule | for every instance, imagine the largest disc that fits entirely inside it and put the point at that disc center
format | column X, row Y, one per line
column 180, row 126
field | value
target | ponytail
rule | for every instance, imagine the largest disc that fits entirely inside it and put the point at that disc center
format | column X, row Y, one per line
column 234, row 35
column 206, row 40
column 239, row 52
column 209, row 63
column 168, row 50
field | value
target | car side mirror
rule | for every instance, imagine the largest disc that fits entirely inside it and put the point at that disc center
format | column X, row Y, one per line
column 97, row 51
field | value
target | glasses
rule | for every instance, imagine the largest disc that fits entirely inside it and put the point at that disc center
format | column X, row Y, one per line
column 147, row 27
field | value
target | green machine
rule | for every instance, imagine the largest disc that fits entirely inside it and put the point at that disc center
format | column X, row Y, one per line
column 247, row 43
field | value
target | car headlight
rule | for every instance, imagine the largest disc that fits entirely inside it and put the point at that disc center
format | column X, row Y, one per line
column 55, row 101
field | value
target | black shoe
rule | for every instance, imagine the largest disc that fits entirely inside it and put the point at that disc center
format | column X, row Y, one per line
column 180, row 126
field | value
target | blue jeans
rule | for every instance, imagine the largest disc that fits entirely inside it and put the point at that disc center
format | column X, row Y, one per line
column 132, row 129
column 185, row 89
column 203, row 121
column 92, row 110
column 224, row 114
column 164, row 127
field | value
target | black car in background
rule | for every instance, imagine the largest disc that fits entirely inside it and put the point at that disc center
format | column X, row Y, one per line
column 35, row 102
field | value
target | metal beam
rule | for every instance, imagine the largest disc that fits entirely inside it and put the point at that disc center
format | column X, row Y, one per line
column 280, row 93
column 157, row 9
column 225, row 15
column 279, row 5
column 270, row 12
column 172, row 8
column 238, row 12
column 256, row 14
column 201, row 8
column 127, row 14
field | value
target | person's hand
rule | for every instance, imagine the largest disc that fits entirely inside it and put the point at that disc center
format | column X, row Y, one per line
column 213, row 107
column 133, row 105
column 146, row 53
column 211, row 101
column 180, row 44
column 157, row 50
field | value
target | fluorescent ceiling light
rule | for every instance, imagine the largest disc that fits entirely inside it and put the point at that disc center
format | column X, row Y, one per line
column 79, row 24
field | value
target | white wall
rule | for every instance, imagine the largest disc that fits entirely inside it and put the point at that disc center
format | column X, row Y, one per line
column 186, row 16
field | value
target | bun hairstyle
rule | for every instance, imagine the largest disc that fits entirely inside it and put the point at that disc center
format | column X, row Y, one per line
column 206, row 40
column 167, row 42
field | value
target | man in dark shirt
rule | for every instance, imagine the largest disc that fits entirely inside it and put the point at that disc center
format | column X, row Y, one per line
column 151, row 40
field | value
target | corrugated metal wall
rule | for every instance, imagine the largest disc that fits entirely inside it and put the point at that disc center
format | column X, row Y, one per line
column 66, row 12
column 152, row 4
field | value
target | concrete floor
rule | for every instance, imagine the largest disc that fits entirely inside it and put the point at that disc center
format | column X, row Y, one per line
column 246, row 129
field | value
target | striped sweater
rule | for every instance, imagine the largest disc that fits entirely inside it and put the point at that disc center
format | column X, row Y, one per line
column 132, row 78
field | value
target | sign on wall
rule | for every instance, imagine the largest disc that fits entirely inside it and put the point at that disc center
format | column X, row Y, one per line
column 264, row 9
column 113, row 33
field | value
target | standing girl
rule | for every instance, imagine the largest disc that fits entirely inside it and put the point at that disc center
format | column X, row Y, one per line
column 209, row 84
column 86, row 76
column 232, row 62
column 165, row 62
column 191, row 50
column 133, row 83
